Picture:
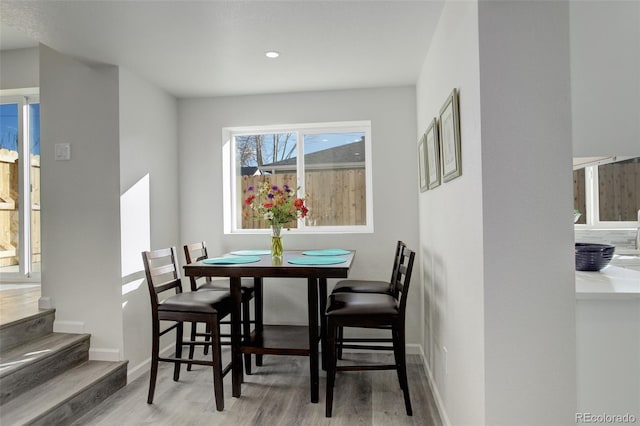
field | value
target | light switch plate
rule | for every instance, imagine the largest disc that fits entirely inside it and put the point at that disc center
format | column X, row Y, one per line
column 63, row 151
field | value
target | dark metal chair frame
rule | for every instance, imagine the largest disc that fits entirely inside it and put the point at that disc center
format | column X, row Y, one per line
column 163, row 275
column 372, row 310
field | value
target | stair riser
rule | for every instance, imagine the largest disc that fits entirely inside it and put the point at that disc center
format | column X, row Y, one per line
column 86, row 400
column 19, row 332
column 26, row 378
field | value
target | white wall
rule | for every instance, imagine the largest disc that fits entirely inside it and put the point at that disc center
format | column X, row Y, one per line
column 529, row 294
column 19, row 68
column 392, row 114
column 451, row 223
column 80, row 199
column 509, row 334
column 149, row 200
column 605, row 77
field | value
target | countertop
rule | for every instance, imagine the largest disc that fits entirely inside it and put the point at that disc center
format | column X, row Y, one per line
column 619, row 280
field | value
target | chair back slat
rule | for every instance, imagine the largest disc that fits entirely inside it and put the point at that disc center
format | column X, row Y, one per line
column 161, row 269
column 403, row 278
column 159, row 253
column 400, row 246
column 195, row 252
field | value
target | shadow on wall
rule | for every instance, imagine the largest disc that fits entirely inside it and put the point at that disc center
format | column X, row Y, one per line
column 435, row 302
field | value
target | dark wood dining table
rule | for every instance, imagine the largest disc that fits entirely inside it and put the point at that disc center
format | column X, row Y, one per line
column 278, row 339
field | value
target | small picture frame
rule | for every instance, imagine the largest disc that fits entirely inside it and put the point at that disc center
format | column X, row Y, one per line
column 432, row 151
column 422, row 164
column 449, row 127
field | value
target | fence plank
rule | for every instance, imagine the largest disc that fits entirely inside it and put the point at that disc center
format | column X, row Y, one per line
column 335, row 197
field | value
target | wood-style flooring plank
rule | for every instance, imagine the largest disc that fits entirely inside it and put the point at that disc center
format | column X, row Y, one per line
column 276, row 394
column 18, row 301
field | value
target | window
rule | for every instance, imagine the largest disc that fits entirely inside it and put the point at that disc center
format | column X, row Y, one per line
column 607, row 192
column 19, row 186
column 330, row 163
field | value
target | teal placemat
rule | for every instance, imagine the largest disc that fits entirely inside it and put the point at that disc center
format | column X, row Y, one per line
column 326, row 252
column 231, row 260
column 317, row 260
column 250, row 252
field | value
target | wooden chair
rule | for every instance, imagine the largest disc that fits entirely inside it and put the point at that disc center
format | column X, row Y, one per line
column 163, row 277
column 368, row 286
column 251, row 289
column 372, row 310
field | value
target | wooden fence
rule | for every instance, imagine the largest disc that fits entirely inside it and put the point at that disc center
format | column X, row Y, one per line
column 9, row 208
column 334, row 197
column 619, row 185
column 619, row 191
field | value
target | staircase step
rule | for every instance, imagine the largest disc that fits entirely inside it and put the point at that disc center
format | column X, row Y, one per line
column 23, row 330
column 32, row 363
column 64, row 398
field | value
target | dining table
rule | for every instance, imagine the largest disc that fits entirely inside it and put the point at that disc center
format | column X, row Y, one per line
column 265, row 339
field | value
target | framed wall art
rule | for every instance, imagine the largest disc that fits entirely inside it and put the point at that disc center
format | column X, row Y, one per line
column 422, row 164
column 449, row 127
column 432, row 150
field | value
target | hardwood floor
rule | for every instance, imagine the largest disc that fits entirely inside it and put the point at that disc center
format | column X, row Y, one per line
column 276, row 394
column 18, row 301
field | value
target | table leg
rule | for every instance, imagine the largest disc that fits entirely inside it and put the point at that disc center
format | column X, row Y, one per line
column 236, row 337
column 323, row 320
column 257, row 283
column 312, row 293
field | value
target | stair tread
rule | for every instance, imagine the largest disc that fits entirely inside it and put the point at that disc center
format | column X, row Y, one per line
column 55, row 391
column 36, row 350
column 36, row 313
column 18, row 329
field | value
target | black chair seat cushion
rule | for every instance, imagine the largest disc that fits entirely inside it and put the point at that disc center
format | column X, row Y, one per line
column 202, row 302
column 362, row 286
column 362, row 304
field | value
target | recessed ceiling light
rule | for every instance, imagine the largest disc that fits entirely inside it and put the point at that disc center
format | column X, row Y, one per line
column 272, row 54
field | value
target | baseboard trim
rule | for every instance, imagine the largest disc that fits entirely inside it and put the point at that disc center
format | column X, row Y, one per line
column 44, row 303
column 434, row 389
column 74, row 327
column 414, row 349
column 104, row 354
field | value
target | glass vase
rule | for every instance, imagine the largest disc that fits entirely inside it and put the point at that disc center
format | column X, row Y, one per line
column 276, row 243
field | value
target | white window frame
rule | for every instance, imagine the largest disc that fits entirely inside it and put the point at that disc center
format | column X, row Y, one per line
column 231, row 204
column 592, row 200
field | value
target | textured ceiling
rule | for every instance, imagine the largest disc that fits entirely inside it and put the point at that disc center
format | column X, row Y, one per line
column 213, row 48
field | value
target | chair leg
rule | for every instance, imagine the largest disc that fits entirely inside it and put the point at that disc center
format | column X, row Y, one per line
column 192, row 347
column 246, row 331
column 397, row 356
column 207, row 338
column 339, row 342
column 155, row 349
column 401, row 363
column 178, row 354
column 331, row 366
column 257, row 306
column 216, row 350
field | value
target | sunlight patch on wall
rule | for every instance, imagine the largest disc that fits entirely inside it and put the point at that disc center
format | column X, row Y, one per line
column 135, row 233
